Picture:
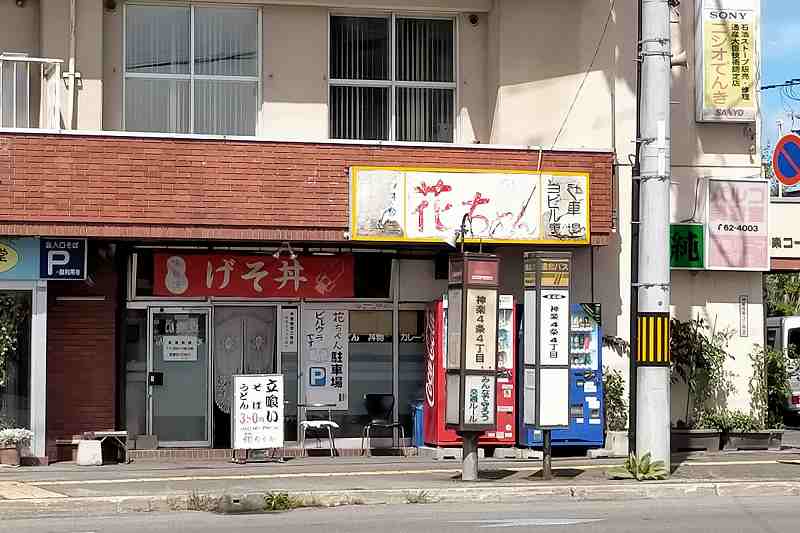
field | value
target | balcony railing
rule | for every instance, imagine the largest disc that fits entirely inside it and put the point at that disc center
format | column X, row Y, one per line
column 30, row 92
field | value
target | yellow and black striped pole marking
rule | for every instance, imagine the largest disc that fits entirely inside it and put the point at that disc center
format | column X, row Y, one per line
column 653, row 339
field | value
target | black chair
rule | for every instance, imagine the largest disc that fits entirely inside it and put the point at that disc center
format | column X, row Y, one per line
column 380, row 409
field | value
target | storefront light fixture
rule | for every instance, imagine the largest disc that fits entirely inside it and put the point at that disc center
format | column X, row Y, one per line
column 285, row 248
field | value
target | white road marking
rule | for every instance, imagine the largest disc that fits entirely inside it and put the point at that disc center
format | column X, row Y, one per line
column 526, row 522
column 372, row 473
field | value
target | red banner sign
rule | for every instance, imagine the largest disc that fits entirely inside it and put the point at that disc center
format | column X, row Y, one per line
column 253, row 276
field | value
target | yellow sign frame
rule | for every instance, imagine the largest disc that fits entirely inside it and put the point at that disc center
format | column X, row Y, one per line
column 353, row 210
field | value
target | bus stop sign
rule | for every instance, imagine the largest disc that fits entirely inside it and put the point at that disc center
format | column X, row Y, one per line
column 786, row 159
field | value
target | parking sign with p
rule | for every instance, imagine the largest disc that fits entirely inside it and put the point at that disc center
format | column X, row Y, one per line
column 63, row 259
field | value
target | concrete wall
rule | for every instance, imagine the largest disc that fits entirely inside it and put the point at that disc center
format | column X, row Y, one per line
column 20, row 27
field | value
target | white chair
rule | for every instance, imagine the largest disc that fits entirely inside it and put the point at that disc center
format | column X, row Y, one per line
column 326, row 425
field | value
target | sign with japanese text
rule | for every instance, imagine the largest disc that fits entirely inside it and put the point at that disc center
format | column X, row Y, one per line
column 479, row 399
column 738, row 238
column 180, row 347
column 481, row 344
column 324, row 356
column 257, row 411
column 253, row 276
column 554, row 327
column 687, row 246
column 64, row 259
column 784, row 231
column 19, row 259
column 289, row 325
column 727, row 60
column 744, row 315
column 416, row 205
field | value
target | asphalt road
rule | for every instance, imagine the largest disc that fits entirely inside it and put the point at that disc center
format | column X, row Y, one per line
column 706, row 515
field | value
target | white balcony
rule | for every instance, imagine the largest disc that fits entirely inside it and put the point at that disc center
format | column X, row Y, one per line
column 30, row 92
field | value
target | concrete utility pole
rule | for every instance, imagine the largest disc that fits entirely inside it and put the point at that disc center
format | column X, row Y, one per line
column 653, row 371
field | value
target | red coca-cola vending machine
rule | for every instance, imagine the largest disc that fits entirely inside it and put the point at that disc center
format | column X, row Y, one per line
column 435, row 431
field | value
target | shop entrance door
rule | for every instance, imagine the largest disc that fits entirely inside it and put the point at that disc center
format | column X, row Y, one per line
column 244, row 343
column 178, row 377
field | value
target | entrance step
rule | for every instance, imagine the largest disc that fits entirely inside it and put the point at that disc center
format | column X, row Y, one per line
column 209, row 454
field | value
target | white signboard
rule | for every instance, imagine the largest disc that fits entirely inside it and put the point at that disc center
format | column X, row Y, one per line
column 289, row 330
column 744, row 318
column 554, row 394
column 737, row 234
column 324, row 356
column 479, row 406
column 257, row 411
column 180, row 348
column 395, row 204
column 481, row 344
column 784, row 231
column 726, row 48
column 554, row 332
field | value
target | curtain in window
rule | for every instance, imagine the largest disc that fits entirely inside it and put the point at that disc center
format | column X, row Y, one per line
column 157, row 105
column 424, row 115
column 225, row 107
column 225, row 42
column 359, row 48
column 425, row 50
column 157, row 40
column 359, row 112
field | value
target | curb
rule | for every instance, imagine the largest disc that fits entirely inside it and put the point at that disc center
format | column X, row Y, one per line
column 253, row 502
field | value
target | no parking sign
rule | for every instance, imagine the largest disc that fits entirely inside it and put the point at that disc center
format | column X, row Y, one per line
column 786, row 159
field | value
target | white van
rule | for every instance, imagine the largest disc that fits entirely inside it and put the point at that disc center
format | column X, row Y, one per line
column 783, row 333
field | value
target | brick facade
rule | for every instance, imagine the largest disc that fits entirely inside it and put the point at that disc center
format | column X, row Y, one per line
column 81, row 353
column 182, row 188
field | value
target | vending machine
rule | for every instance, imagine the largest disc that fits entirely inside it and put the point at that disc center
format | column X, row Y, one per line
column 436, row 433
column 586, row 410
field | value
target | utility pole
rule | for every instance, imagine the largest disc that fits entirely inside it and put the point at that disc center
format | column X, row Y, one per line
column 653, row 369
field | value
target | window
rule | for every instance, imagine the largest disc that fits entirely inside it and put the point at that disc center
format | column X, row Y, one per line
column 392, row 78
column 192, row 69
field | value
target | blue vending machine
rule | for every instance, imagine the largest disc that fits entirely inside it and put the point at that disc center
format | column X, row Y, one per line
column 586, row 409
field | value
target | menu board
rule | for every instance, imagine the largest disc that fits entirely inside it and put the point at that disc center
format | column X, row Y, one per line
column 257, row 411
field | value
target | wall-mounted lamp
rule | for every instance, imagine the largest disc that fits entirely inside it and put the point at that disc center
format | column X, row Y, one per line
column 20, row 3
column 285, row 247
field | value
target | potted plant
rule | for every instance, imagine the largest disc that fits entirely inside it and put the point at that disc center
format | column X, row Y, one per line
column 616, row 413
column 11, row 441
column 769, row 393
column 699, row 353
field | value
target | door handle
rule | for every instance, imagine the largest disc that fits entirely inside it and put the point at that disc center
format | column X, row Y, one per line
column 155, row 379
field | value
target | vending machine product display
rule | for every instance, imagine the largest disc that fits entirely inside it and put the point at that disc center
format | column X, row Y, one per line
column 586, row 411
column 436, row 433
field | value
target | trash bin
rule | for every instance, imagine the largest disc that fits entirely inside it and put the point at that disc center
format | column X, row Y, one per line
column 418, row 416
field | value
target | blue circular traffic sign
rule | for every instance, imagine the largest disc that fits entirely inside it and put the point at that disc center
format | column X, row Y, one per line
column 786, row 159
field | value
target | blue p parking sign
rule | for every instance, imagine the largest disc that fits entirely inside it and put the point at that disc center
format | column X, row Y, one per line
column 62, row 259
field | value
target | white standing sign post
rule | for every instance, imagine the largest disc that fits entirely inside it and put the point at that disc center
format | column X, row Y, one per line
column 258, row 412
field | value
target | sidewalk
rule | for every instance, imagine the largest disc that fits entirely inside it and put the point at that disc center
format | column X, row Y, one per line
column 67, row 488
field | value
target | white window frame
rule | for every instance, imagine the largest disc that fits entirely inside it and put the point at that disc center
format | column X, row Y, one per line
column 191, row 76
column 392, row 83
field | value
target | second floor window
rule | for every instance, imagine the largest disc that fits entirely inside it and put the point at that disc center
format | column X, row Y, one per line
column 192, row 69
column 392, row 78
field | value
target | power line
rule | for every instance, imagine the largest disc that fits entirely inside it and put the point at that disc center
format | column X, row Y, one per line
column 586, row 74
column 788, row 83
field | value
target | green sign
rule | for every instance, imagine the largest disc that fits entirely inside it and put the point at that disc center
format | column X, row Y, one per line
column 686, row 246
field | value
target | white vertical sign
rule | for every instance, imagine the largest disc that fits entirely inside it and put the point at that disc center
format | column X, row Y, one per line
column 257, row 411
column 324, row 356
column 554, row 324
column 481, row 344
column 288, row 330
column 744, row 317
column 479, row 405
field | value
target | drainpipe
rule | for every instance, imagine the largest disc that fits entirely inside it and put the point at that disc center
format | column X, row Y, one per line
column 71, row 75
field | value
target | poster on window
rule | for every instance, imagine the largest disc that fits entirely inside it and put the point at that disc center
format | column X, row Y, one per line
column 257, row 411
column 324, row 356
column 180, row 347
column 726, row 48
column 738, row 237
column 396, row 204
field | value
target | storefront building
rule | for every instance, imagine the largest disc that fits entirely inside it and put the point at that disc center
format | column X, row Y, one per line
column 244, row 170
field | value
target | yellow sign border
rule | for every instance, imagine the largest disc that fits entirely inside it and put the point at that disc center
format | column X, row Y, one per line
column 354, row 236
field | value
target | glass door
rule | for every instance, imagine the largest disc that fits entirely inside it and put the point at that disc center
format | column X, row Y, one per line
column 244, row 343
column 178, row 377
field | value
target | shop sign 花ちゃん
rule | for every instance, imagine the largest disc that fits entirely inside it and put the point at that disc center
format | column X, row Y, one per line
column 253, row 276
column 413, row 205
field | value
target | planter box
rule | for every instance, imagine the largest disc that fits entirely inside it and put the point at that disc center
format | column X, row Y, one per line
column 9, row 455
column 753, row 440
column 617, row 443
column 695, row 440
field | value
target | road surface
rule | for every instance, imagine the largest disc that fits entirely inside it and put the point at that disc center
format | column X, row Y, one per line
column 707, row 515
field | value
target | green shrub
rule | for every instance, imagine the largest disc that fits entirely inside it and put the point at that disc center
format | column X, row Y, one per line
column 641, row 469
column 614, row 400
